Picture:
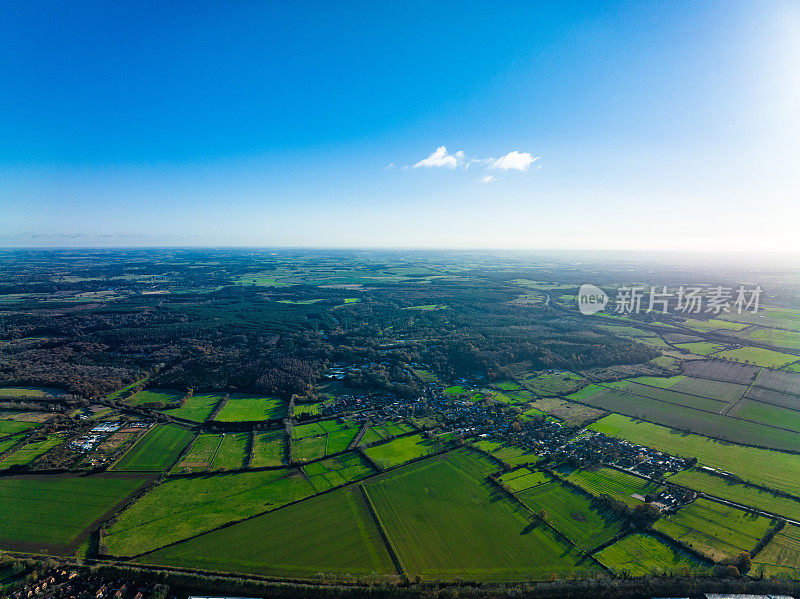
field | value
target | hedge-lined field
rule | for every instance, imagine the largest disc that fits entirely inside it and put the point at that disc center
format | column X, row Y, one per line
column 446, row 521
column 608, row 481
column 640, row 554
column 773, row 469
column 247, row 408
column 330, row 533
column 38, row 511
column 717, row 531
column 157, row 450
column 269, row 449
column 198, row 407
column 182, row 507
column 400, row 450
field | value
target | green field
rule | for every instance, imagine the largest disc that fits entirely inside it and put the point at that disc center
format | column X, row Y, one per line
column 246, row 408
column 781, row 556
column 608, row 481
column 182, row 507
column 312, row 409
column 197, row 408
column 318, row 439
column 772, row 469
column 758, row 356
column 401, row 450
column 232, row 453
column 155, row 396
column 332, row 533
column 688, row 412
column 9, row 442
column 29, row 392
column 51, row 512
column 701, row 348
column 385, row 430
column 269, row 449
column 445, row 521
column 337, row 471
column 157, row 450
column 774, row 337
column 717, row 531
column 640, row 554
column 570, row 513
column 200, row 454
column 510, row 455
column 27, row 453
column 12, row 427
column 551, row 384
column 713, row 324
column 523, row 478
column 738, row 493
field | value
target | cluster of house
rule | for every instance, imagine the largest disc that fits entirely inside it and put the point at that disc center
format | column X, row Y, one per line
column 68, row 584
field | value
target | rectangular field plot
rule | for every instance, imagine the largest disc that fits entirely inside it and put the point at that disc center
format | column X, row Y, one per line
column 337, row 471
column 400, row 450
column 767, row 414
column 624, row 401
column 571, row 514
column 731, row 372
column 773, row 469
column 445, row 521
column 717, row 531
column 247, row 408
column 52, row 512
column 385, row 430
column 617, row 485
column 640, row 554
column 738, row 493
column 758, row 356
column 776, row 398
column 157, row 450
column 269, row 449
column 200, row 454
column 774, row 337
column 146, row 396
column 511, row 455
column 312, row 409
column 333, row 533
column 197, row 408
column 26, row 453
column 182, row 507
column 12, row 427
column 781, row 556
column 318, row 439
column 523, row 478
column 233, row 452
column 701, row 348
column 783, row 382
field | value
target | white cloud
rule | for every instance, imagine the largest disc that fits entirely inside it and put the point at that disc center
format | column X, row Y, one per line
column 488, row 179
column 441, row 158
column 518, row 161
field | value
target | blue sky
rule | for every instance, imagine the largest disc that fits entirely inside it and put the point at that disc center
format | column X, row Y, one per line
column 641, row 125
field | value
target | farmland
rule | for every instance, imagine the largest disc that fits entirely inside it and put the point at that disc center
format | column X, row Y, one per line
column 571, row 514
column 182, row 507
column 387, row 430
column 760, row 466
column 337, row 471
column 715, row 530
column 523, row 478
column 607, row 481
column 244, row 408
column 401, row 450
column 511, row 455
column 781, row 556
column 758, row 356
column 641, row 554
column 53, row 511
column 28, row 452
column 312, row 441
column 200, row 454
column 724, row 488
column 232, row 452
column 148, row 396
column 445, row 521
column 269, row 449
column 196, row 408
column 157, row 450
column 330, row 533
